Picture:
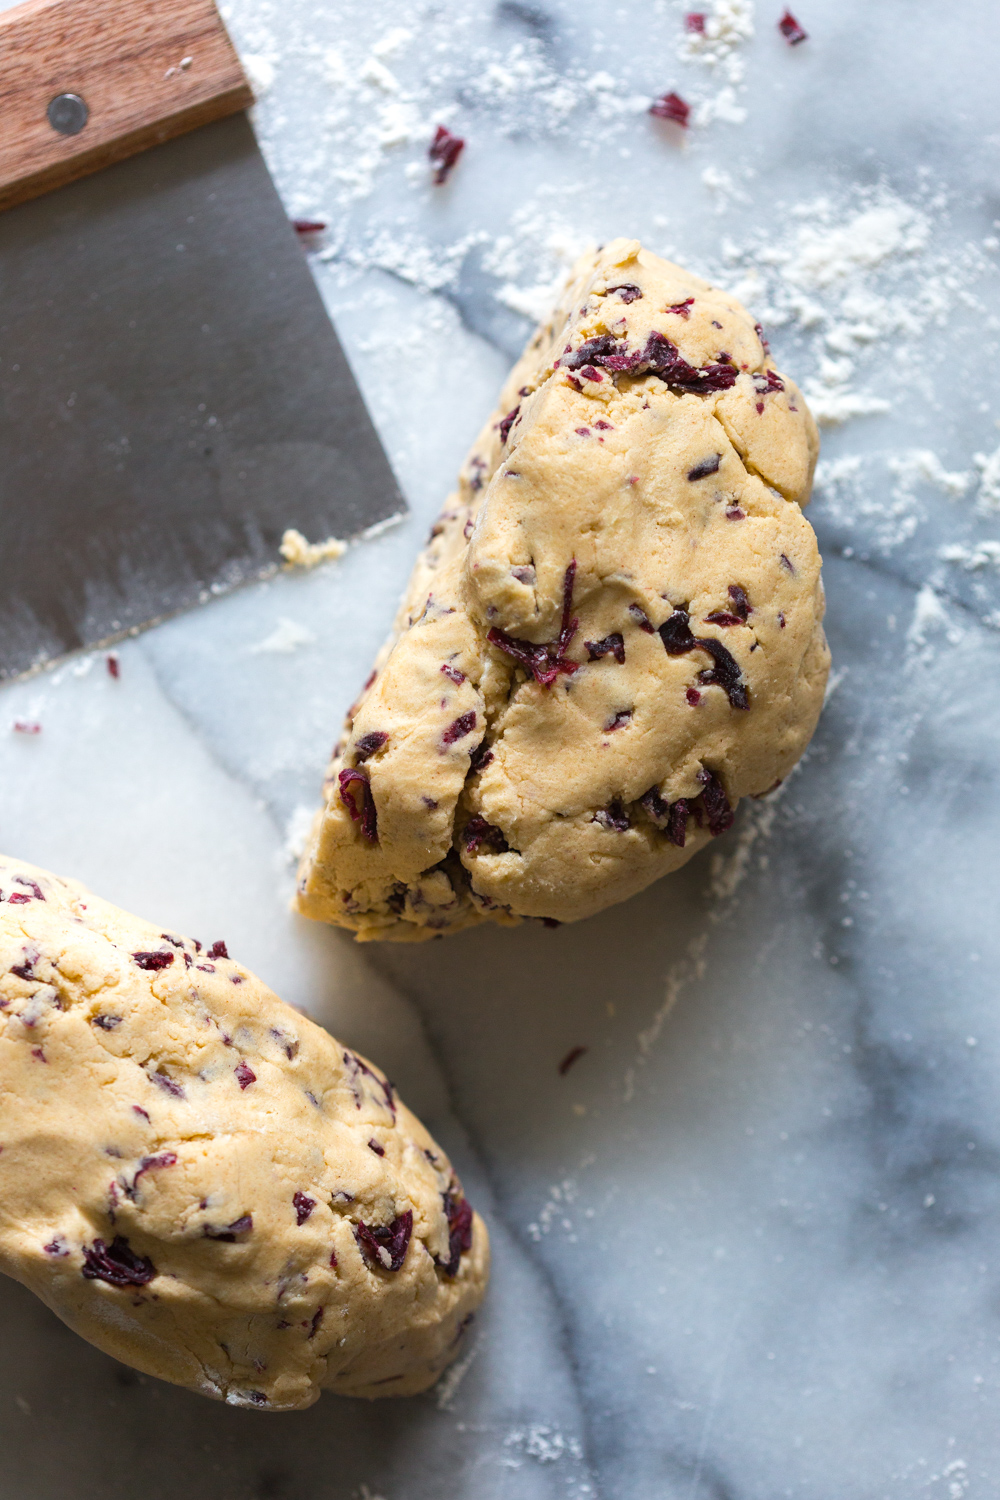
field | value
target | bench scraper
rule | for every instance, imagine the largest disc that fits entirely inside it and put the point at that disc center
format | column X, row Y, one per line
column 172, row 392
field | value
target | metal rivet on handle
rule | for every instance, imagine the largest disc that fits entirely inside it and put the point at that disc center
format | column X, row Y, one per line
column 68, row 114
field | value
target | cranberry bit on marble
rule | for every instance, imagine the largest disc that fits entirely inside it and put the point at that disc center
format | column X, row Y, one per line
column 480, row 835
column 117, row 1264
column 367, row 814
column 384, row 1246
column 694, row 22
column 307, row 228
column 245, row 1075
column 611, row 645
column 113, row 665
column 367, row 744
column 508, row 422
column 671, row 107
column 627, row 291
column 153, row 961
column 791, row 30
column 458, row 1212
column 705, row 468
column 459, row 728
column 573, row 1055
column 303, row 1207
column 444, row 151
column 26, row 726
column 545, row 662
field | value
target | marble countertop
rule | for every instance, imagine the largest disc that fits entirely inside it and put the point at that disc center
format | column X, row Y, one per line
column 747, row 1247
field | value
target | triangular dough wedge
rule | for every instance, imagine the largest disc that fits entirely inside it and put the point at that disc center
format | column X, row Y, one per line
column 201, row 1181
column 613, row 634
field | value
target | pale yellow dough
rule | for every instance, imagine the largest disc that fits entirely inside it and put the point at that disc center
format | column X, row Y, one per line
column 225, row 1152
column 640, row 499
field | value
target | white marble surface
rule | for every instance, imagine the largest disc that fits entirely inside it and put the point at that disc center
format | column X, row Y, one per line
column 747, row 1248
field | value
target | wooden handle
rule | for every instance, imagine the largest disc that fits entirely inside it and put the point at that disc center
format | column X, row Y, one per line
column 146, row 70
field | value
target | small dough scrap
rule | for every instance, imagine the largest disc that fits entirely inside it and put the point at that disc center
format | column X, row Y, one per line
column 613, row 633
column 203, row 1182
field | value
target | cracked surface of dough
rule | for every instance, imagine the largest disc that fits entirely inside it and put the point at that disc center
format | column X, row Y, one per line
column 537, row 738
column 203, row 1182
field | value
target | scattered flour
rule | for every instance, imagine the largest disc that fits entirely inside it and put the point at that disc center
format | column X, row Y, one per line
column 988, row 465
column 287, row 636
column 972, row 558
column 929, row 618
column 543, row 1444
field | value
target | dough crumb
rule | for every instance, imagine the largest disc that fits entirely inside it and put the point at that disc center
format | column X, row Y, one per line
column 300, row 553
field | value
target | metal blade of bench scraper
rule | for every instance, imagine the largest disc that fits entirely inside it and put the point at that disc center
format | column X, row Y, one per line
column 172, row 397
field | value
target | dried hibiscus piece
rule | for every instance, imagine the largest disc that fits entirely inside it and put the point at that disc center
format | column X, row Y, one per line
column 705, row 468
column 618, row 720
column 153, row 961
column 458, row 1212
column 682, row 309
column 659, row 357
column 227, row 1235
column 627, row 291
column 32, row 885
column 453, row 675
column 741, row 601
column 444, row 151
column 613, row 818
column 718, row 813
column 677, row 639
column 671, row 817
column 482, row 835
column 303, row 1207
column 367, row 744
column 611, row 645
column 481, row 757
column 459, row 728
column 218, row 950
column 641, row 618
column 545, row 662
column 117, row 1264
column 508, row 422
column 367, row 814
column 765, row 382
column 245, row 1075
column 671, row 107
column 384, row 1246
column 791, row 30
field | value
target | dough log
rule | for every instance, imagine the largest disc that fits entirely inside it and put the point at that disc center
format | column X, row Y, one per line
column 201, row 1181
column 613, row 634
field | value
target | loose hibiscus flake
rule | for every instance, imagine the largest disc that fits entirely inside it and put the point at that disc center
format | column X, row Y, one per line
column 228, row 1233
column 613, row 819
column 384, row 1246
column 458, row 1212
column 545, row 662
column 444, row 151
column 453, row 675
column 677, row 639
column 481, row 836
column 27, row 726
column 791, row 30
column 117, row 1264
column 627, row 291
column 368, row 744
column 245, row 1075
column 113, row 665
column 153, row 961
column 671, row 107
column 718, row 813
column 611, row 645
column 366, row 814
column 303, row 1207
column 508, row 422
column 572, row 1056
column 694, row 22
column 460, row 727
column 705, row 468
